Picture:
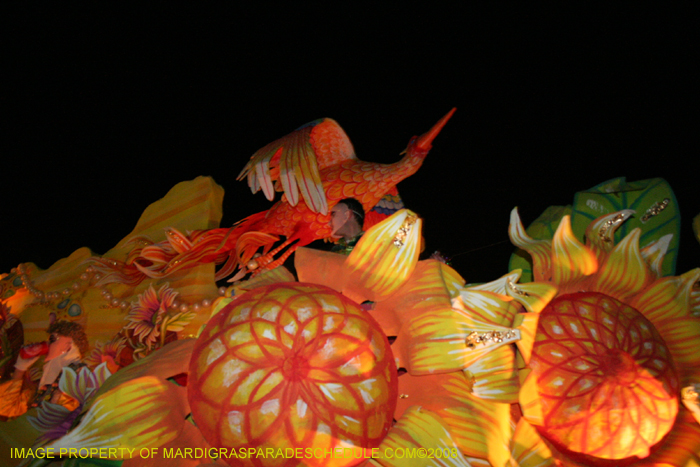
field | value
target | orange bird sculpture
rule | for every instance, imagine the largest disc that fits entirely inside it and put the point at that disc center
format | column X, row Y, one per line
column 315, row 166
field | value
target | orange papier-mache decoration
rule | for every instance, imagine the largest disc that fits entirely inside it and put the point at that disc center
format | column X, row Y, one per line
column 293, row 365
column 607, row 383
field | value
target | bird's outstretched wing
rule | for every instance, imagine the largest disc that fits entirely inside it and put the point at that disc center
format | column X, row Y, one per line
column 295, row 160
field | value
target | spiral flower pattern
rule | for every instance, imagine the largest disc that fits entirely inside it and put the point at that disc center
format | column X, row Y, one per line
column 293, row 365
column 602, row 366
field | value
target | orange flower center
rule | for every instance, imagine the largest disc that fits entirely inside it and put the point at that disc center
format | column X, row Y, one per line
column 620, row 366
column 606, row 380
column 295, row 368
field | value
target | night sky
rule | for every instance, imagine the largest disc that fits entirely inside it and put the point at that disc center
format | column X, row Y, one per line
column 106, row 108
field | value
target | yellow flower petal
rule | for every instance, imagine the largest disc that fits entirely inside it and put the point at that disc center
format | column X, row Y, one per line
column 530, row 399
column 443, row 339
column 528, row 448
column 624, row 273
column 166, row 362
column 681, row 337
column 500, row 285
column 534, row 295
column 436, row 343
column 453, row 339
column 571, row 261
column 481, row 428
column 487, row 307
column 145, row 412
column 272, row 276
column 426, row 295
column 681, row 447
column 385, row 256
column 419, row 429
column 526, row 323
column 496, row 376
column 668, row 299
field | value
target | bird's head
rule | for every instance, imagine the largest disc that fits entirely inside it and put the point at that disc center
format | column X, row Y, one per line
column 420, row 145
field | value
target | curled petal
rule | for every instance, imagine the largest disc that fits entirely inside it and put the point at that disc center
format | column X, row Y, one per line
column 178, row 241
column 500, row 286
column 571, row 261
column 102, row 373
column 601, row 232
column 454, row 339
column 624, row 273
column 691, row 399
column 79, row 385
column 655, row 252
column 540, row 250
column 692, row 279
column 49, row 416
column 432, row 344
column 534, row 296
column 486, row 306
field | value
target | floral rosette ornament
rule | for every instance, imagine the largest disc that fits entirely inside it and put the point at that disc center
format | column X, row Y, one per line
column 293, row 365
column 615, row 357
column 55, row 420
column 152, row 316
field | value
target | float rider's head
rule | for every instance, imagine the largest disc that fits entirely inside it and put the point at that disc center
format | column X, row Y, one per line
column 63, row 335
column 347, row 218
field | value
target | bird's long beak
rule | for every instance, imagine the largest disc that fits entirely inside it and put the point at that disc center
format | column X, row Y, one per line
column 425, row 140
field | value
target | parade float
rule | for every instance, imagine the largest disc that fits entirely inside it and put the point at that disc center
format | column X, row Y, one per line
column 583, row 354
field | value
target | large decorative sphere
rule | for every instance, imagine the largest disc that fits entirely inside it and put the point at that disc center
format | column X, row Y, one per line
column 289, row 366
column 606, row 380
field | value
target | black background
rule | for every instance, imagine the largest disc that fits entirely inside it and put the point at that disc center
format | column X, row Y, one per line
column 106, row 107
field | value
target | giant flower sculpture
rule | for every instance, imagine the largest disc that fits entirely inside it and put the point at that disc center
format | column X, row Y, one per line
column 152, row 316
column 462, row 348
column 615, row 359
